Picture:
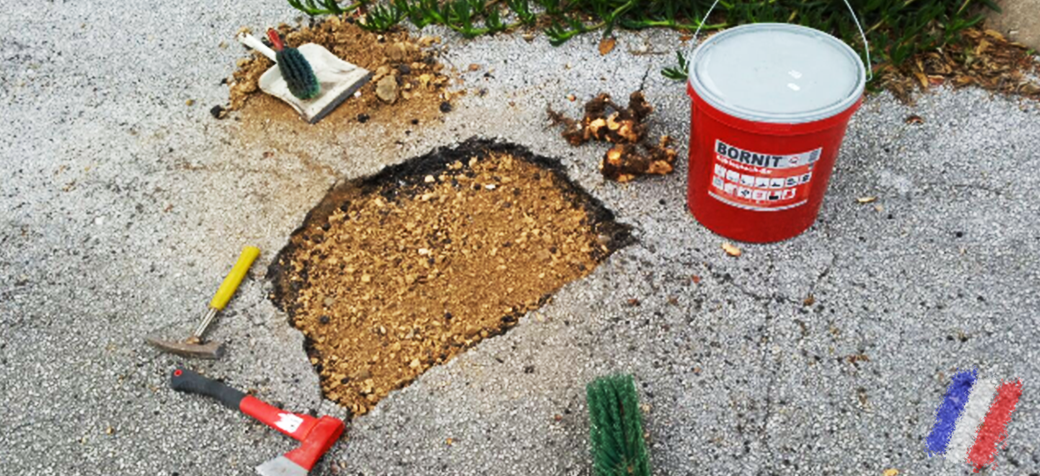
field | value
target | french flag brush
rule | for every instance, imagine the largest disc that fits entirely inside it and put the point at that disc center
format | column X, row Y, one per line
column 971, row 422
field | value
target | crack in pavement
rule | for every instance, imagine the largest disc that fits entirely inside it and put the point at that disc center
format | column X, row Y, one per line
column 646, row 74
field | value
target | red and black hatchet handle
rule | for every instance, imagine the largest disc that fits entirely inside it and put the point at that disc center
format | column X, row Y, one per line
column 291, row 424
column 187, row 381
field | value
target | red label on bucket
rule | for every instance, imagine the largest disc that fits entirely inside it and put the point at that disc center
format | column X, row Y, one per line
column 761, row 181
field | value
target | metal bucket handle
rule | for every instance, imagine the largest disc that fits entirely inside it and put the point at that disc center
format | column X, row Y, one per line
column 870, row 71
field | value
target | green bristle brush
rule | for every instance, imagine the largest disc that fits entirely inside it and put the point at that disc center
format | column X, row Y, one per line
column 295, row 69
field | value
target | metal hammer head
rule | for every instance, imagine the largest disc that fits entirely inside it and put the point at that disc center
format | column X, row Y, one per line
column 189, row 348
column 312, row 447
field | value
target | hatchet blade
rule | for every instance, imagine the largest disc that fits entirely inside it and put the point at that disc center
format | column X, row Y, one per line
column 281, row 466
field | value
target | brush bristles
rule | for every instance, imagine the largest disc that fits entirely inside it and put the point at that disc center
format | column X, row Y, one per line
column 618, row 448
column 298, row 73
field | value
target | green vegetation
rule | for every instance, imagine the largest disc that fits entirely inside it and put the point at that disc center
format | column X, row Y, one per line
column 618, row 448
column 897, row 29
column 677, row 73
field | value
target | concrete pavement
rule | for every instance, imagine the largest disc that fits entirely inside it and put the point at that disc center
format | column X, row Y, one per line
column 122, row 208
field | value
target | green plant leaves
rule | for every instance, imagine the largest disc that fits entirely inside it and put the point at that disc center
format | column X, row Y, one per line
column 677, row 73
column 383, row 17
column 897, row 29
column 322, row 7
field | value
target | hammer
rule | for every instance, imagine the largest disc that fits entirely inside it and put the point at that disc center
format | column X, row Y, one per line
column 193, row 345
column 316, row 435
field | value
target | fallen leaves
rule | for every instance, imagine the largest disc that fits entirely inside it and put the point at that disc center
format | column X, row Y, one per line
column 914, row 119
column 890, row 472
column 984, row 58
column 731, row 249
column 606, row 45
column 605, row 121
column 624, row 162
column 621, row 126
column 866, row 199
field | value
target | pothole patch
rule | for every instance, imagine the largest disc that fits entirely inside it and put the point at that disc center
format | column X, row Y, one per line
column 392, row 274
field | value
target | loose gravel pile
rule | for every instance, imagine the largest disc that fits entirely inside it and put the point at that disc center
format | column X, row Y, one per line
column 399, row 278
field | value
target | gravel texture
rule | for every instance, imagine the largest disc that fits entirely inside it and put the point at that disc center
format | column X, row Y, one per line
column 122, row 208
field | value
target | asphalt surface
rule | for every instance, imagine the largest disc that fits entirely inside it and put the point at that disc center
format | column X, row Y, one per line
column 122, row 208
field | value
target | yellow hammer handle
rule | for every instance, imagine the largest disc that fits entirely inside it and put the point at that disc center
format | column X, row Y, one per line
column 234, row 278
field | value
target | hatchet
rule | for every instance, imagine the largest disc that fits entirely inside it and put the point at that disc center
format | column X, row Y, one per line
column 316, row 435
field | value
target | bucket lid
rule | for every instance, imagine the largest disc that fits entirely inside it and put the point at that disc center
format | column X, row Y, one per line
column 777, row 73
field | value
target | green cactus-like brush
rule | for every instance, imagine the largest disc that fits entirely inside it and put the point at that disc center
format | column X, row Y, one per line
column 618, row 448
column 295, row 69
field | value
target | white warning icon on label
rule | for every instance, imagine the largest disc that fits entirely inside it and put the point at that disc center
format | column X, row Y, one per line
column 761, row 180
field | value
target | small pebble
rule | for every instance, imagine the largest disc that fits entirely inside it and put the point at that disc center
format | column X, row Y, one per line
column 218, row 111
column 445, row 107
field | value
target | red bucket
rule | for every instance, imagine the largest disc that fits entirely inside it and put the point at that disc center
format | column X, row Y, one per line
column 771, row 103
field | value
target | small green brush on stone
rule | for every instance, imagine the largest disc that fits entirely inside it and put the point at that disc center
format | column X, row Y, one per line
column 295, row 69
column 618, row 448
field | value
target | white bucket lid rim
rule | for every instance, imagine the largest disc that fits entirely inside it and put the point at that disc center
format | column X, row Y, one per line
column 777, row 73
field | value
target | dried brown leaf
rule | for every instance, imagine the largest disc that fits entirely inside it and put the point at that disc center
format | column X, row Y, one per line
column 922, row 79
column 606, row 45
column 981, row 48
column 731, row 249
